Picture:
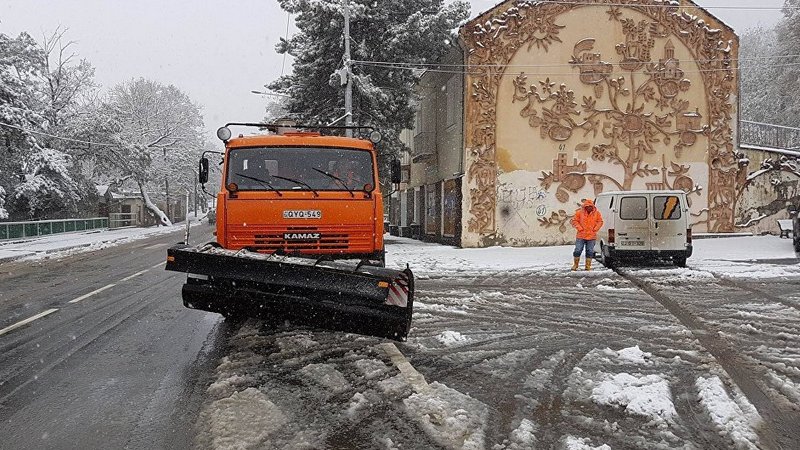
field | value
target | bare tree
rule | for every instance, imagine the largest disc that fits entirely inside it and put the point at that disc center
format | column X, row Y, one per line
column 154, row 131
column 66, row 83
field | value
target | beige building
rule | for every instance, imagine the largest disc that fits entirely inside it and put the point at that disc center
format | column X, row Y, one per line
column 564, row 101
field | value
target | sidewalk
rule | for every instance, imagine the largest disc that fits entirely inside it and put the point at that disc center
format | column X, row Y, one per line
column 46, row 246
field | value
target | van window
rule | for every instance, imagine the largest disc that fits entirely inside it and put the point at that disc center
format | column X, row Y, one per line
column 633, row 208
column 666, row 207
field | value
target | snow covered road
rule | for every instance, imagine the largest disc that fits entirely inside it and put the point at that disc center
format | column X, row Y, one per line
column 518, row 352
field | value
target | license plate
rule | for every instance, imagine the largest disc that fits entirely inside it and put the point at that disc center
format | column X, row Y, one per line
column 633, row 243
column 302, row 214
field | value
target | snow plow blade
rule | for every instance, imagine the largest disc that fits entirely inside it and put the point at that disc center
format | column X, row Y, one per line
column 337, row 295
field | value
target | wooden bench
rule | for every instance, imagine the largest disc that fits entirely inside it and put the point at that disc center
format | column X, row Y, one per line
column 786, row 227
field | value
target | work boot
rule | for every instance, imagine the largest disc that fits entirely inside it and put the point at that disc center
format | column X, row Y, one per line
column 575, row 262
column 588, row 263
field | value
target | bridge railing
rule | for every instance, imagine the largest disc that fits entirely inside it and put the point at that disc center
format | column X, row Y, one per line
column 757, row 134
column 119, row 220
column 17, row 230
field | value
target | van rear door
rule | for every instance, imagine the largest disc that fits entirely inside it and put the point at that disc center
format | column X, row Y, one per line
column 633, row 224
column 669, row 222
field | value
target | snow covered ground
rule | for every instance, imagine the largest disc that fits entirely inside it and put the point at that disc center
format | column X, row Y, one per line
column 59, row 245
column 511, row 350
column 753, row 256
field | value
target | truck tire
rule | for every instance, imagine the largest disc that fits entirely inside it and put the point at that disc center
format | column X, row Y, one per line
column 796, row 242
column 679, row 261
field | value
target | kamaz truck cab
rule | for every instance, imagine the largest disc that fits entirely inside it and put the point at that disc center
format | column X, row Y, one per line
column 301, row 193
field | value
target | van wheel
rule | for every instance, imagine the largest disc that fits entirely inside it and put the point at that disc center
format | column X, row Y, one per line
column 607, row 261
column 797, row 245
column 679, row 261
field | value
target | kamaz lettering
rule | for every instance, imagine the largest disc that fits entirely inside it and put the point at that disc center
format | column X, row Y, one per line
column 301, row 236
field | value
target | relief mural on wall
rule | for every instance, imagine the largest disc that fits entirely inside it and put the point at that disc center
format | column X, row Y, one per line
column 636, row 105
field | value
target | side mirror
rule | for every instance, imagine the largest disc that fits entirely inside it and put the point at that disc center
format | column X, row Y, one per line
column 202, row 173
column 397, row 175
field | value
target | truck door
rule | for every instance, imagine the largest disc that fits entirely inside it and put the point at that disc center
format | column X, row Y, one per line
column 633, row 224
column 669, row 222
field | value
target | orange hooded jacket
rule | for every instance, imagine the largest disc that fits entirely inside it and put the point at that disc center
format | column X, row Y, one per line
column 587, row 221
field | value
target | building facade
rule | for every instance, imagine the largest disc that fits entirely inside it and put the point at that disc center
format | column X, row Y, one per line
column 562, row 101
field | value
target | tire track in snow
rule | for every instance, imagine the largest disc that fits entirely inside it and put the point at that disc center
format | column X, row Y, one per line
column 782, row 424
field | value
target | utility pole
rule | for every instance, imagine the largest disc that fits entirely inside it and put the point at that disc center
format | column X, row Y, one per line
column 348, row 90
column 166, row 189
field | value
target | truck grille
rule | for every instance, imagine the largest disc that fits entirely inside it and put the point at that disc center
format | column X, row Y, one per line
column 302, row 239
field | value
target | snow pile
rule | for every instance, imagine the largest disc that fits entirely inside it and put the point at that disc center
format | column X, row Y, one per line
column 541, row 378
column 327, row 376
column 371, row 368
column 452, row 419
column 395, row 387
column 244, row 420
column 228, row 386
column 648, row 395
column 357, row 403
column 629, row 355
column 575, row 443
column 523, row 437
column 452, row 338
column 726, row 414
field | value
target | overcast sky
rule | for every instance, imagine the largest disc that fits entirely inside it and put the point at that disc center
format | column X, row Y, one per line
column 215, row 51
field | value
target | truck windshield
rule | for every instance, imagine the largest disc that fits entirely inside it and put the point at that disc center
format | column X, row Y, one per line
column 300, row 168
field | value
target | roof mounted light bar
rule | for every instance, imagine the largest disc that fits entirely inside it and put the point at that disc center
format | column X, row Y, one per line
column 224, row 133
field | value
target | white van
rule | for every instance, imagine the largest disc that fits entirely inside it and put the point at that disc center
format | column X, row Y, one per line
column 644, row 224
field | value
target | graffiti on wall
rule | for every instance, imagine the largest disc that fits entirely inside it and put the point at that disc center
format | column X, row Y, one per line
column 640, row 117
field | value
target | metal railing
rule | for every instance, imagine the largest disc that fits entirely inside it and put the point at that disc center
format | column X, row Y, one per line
column 119, row 220
column 757, row 134
column 18, row 230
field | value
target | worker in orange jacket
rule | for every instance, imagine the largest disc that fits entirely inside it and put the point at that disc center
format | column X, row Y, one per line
column 587, row 221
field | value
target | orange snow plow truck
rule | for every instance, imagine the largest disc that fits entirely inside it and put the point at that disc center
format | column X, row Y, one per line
column 299, row 235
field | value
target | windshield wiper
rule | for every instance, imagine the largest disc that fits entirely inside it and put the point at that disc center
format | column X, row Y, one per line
column 264, row 183
column 336, row 179
column 316, row 194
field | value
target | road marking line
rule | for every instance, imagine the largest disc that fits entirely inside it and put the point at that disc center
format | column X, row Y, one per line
column 159, row 265
column 96, row 291
column 134, row 275
column 155, row 246
column 26, row 321
column 412, row 377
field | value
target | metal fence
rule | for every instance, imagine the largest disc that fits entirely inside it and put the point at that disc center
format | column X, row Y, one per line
column 17, row 230
column 768, row 135
column 119, row 220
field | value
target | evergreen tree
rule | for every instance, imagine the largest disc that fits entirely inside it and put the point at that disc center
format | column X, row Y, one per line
column 412, row 31
column 19, row 65
column 769, row 75
column 788, row 79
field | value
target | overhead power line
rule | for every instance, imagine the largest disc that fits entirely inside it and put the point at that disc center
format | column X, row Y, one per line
column 507, row 73
column 444, row 65
column 667, row 5
column 41, row 133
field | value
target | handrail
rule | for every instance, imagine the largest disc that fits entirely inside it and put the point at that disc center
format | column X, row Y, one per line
column 19, row 230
